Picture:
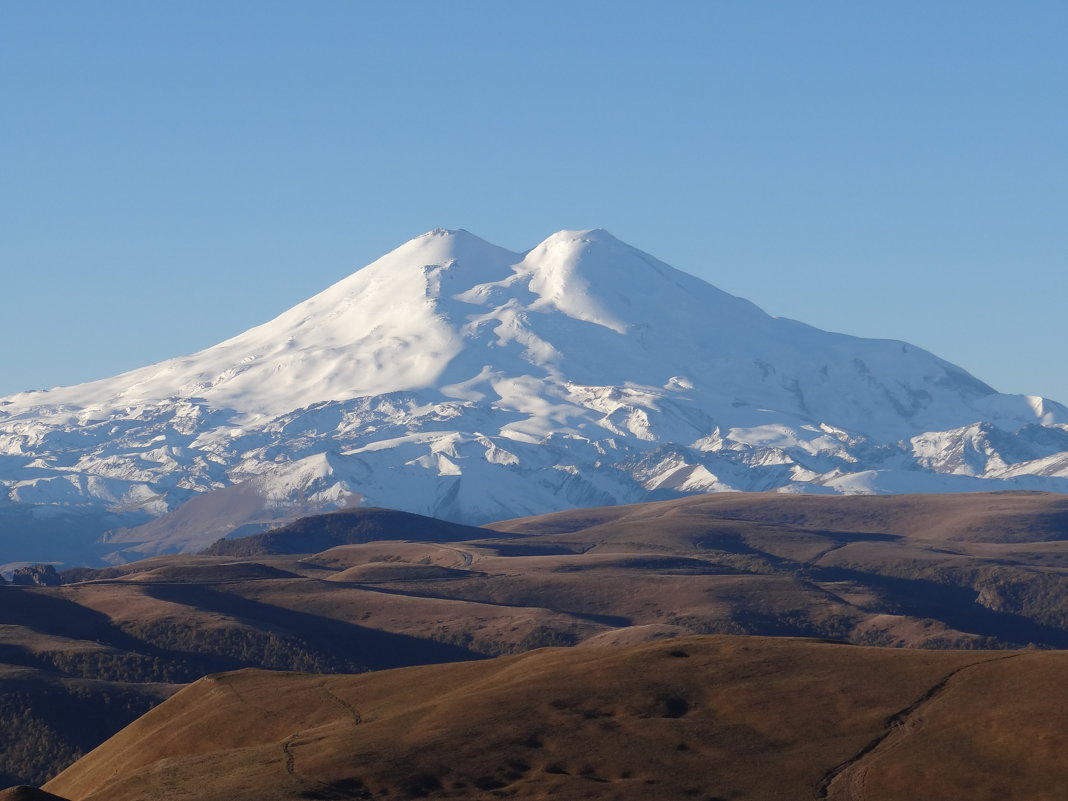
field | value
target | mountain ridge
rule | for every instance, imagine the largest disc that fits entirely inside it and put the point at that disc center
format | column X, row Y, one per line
column 458, row 379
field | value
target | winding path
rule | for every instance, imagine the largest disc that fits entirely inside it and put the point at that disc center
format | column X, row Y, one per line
column 322, row 790
column 846, row 781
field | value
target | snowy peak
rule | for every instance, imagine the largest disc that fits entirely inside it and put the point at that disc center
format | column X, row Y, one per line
column 574, row 271
column 447, row 249
column 594, row 256
column 592, row 276
column 452, row 377
column 378, row 330
column 409, row 275
column 450, row 313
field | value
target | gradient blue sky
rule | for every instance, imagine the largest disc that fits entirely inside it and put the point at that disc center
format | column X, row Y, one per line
column 173, row 173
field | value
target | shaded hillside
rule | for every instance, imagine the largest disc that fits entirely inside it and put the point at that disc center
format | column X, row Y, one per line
column 704, row 717
column 991, row 564
column 79, row 662
column 49, row 721
column 936, row 572
column 345, row 527
column 27, row 793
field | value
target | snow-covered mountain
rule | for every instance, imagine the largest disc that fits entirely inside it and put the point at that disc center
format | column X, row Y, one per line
column 454, row 378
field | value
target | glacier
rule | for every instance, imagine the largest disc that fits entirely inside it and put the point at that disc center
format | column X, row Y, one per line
column 458, row 379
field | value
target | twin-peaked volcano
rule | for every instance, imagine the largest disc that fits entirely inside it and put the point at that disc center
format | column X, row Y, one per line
column 456, row 378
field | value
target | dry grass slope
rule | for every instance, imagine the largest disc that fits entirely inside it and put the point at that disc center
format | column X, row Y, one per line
column 966, row 572
column 701, row 717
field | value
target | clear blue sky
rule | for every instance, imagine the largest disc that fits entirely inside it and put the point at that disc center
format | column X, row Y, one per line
column 173, row 173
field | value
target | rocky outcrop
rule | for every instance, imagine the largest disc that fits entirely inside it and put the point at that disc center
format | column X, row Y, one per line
column 36, row 576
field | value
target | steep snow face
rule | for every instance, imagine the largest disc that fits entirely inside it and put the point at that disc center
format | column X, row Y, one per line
column 449, row 311
column 379, row 330
column 456, row 378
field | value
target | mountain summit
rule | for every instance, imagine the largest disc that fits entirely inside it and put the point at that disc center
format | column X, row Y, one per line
column 455, row 378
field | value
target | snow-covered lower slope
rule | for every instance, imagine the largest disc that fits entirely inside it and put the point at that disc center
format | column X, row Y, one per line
column 455, row 378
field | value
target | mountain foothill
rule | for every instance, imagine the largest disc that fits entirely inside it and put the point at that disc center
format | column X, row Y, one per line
column 844, row 615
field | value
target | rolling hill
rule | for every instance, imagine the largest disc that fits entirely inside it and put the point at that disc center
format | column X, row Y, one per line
column 975, row 571
column 709, row 718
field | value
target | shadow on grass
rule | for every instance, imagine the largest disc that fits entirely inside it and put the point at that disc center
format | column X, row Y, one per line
column 365, row 648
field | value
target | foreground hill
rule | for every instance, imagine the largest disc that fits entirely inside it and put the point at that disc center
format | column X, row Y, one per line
column 704, row 717
column 948, row 571
column 457, row 379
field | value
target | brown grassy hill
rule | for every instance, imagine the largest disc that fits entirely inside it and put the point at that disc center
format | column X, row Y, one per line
column 705, row 717
column 344, row 527
column 969, row 571
column 991, row 564
column 78, row 662
column 971, row 517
